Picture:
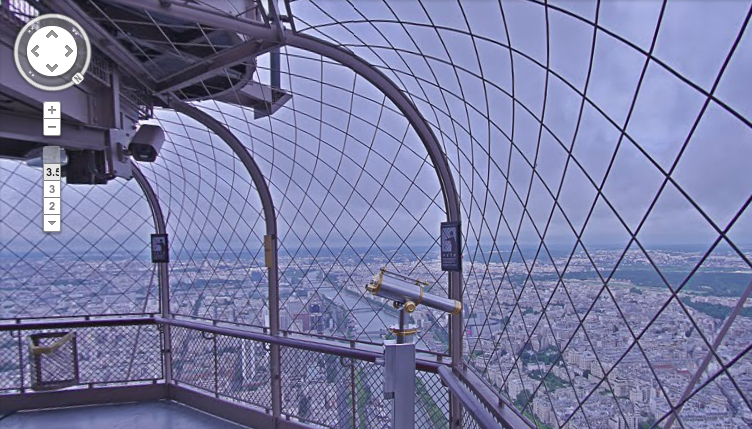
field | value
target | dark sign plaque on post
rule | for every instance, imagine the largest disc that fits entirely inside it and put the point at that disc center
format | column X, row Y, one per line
column 159, row 249
column 451, row 244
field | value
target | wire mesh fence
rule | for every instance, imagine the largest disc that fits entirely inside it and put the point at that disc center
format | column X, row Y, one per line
column 11, row 373
column 330, row 391
column 103, row 355
column 230, row 368
column 215, row 224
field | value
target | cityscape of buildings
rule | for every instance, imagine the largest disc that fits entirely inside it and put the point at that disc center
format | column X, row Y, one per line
column 582, row 344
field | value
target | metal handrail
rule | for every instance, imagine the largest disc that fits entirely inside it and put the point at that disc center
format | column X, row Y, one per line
column 501, row 409
column 485, row 406
column 480, row 413
column 364, row 355
column 81, row 323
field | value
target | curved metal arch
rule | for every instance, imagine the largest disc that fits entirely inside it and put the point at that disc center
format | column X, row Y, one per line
column 427, row 136
column 240, row 150
column 278, row 34
column 160, row 226
column 270, row 218
column 163, row 273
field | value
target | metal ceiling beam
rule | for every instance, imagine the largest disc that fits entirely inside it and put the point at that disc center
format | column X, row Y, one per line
column 223, row 59
column 106, row 43
column 192, row 12
column 29, row 129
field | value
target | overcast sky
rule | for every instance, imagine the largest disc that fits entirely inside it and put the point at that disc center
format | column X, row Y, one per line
column 339, row 153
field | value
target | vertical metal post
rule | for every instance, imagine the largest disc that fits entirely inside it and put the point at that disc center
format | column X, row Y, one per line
column 21, row 365
column 275, row 367
column 354, row 394
column 163, row 276
column 399, row 382
column 455, row 348
column 399, row 372
column 274, row 55
column 275, row 68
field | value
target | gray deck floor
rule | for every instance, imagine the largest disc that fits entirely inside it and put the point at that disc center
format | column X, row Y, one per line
column 145, row 415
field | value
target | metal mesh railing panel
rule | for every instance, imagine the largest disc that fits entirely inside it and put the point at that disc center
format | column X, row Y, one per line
column 244, row 371
column 106, row 355
column 119, row 354
column 330, row 391
column 10, row 365
column 231, row 368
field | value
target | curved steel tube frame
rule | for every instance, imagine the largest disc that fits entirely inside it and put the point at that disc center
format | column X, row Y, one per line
column 282, row 36
column 270, row 218
column 160, row 226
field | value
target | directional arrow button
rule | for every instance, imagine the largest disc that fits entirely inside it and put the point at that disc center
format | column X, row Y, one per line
column 34, row 51
column 51, row 68
column 51, row 222
column 52, row 33
column 70, row 51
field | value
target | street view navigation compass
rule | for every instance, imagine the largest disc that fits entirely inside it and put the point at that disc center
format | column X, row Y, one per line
column 52, row 52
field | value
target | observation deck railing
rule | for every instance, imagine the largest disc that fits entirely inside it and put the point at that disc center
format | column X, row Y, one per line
column 225, row 371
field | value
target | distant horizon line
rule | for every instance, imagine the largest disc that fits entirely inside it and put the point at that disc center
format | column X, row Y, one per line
column 433, row 248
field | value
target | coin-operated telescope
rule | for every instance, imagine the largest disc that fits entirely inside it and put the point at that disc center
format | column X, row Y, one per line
column 406, row 295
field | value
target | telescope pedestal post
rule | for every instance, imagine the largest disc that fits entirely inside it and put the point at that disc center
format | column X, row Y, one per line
column 399, row 375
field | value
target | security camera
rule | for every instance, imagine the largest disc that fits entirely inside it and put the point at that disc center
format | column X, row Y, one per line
column 409, row 293
column 146, row 143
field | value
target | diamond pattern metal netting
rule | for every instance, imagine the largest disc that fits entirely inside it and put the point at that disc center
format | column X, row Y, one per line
column 351, row 196
column 595, row 148
column 216, row 227
column 337, row 392
column 600, row 151
column 231, row 368
column 98, row 265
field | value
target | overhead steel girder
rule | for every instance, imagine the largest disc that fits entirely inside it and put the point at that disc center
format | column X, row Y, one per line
column 107, row 43
column 223, row 59
column 193, row 12
column 270, row 241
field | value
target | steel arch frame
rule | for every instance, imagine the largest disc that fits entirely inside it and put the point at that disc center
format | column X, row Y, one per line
column 163, row 268
column 277, row 33
column 270, row 240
